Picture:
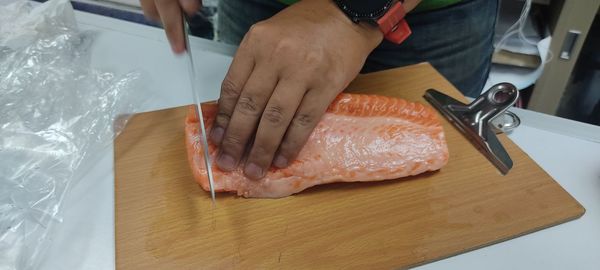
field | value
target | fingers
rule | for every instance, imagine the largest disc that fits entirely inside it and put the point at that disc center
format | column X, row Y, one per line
column 190, row 6
column 274, row 121
column 231, row 88
column 172, row 21
column 150, row 9
column 169, row 13
column 245, row 116
column 307, row 117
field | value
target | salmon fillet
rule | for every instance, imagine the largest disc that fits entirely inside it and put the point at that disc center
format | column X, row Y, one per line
column 360, row 138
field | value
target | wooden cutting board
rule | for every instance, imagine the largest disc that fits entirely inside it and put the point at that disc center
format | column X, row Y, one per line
column 164, row 220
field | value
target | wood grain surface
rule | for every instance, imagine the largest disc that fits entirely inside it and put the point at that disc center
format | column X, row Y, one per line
column 164, row 220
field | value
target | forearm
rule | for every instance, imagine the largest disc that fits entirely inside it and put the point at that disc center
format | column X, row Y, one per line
column 409, row 5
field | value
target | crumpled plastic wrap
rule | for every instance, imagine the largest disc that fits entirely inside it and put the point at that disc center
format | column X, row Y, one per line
column 55, row 110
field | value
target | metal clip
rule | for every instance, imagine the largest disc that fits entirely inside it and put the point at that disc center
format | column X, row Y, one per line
column 482, row 119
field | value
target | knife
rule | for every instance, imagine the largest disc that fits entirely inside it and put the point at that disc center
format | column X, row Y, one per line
column 195, row 94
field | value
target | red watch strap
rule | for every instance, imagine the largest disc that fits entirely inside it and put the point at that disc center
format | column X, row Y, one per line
column 393, row 25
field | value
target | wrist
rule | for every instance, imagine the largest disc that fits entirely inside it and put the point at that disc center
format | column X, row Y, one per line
column 369, row 34
column 386, row 15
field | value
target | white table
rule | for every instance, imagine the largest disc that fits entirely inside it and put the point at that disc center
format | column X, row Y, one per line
column 568, row 151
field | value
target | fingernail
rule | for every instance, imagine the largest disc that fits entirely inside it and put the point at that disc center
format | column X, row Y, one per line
column 176, row 47
column 226, row 162
column 216, row 134
column 253, row 171
column 280, row 162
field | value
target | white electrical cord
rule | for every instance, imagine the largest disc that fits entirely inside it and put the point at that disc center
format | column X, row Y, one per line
column 517, row 28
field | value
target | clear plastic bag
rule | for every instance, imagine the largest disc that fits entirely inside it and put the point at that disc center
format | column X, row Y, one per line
column 55, row 110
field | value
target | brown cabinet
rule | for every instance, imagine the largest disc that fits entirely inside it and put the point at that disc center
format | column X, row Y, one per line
column 569, row 22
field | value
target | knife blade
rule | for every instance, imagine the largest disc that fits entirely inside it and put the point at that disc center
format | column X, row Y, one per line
column 195, row 94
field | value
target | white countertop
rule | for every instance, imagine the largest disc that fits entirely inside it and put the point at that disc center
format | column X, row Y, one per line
column 567, row 150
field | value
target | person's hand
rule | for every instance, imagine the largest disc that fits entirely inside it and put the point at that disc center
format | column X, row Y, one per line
column 286, row 72
column 169, row 13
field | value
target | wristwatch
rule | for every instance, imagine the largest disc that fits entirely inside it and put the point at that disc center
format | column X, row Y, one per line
column 387, row 15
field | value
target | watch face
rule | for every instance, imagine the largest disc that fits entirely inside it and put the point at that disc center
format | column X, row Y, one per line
column 365, row 9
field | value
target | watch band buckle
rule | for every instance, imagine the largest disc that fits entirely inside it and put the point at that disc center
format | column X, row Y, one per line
column 393, row 25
